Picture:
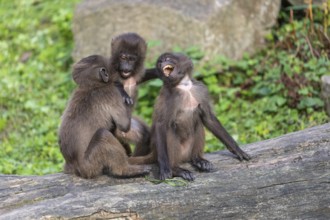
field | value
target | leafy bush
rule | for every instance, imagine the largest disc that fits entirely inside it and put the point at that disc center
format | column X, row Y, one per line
column 261, row 96
column 36, row 44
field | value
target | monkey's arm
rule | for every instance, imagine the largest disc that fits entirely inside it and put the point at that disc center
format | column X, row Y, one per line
column 126, row 98
column 121, row 117
column 151, row 73
column 165, row 170
column 213, row 124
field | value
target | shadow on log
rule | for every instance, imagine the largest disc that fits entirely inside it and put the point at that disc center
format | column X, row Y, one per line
column 288, row 178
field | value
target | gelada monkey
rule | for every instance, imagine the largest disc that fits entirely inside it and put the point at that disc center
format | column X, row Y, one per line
column 128, row 52
column 180, row 114
column 95, row 110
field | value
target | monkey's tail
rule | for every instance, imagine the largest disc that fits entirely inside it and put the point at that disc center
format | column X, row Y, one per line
column 140, row 160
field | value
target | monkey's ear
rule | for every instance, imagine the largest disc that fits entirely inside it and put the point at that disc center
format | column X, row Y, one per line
column 104, row 75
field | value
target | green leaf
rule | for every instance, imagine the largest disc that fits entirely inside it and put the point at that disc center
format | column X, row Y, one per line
column 279, row 100
column 156, row 83
column 262, row 90
column 172, row 182
column 309, row 102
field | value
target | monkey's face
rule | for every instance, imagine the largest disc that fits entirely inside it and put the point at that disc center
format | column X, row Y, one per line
column 128, row 52
column 174, row 67
column 127, row 64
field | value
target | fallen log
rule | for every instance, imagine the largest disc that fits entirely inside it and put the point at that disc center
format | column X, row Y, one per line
column 288, row 178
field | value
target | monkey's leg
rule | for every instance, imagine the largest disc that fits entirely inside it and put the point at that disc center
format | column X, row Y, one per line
column 139, row 134
column 185, row 174
column 105, row 151
column 197, row 153
column 68, row 168
column 147, row 159
column 160, row 148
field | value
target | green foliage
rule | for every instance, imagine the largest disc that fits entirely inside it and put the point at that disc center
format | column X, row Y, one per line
column 277, row 90
column 175, row 182
column 265, row 95
column 36, row 44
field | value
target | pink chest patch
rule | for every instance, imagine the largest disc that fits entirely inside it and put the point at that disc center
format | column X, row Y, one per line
column 130, row 86
column 189, row 101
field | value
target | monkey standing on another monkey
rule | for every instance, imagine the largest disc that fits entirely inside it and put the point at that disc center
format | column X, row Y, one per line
column 128, row 52
column 96, row 109
column 181, row 110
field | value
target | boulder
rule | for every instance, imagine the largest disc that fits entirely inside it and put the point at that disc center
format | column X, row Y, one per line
column 305, row 2
column 226, row 27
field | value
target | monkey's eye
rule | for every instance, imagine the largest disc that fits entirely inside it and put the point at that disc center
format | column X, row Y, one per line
column 123, row 57
column 132, row 58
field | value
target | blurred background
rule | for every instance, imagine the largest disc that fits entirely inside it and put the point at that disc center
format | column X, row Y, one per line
column 262, row 63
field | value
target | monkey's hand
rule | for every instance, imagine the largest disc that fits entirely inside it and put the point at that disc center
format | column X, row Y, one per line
column 241, row 155
column 245, row 156
column 126, row 98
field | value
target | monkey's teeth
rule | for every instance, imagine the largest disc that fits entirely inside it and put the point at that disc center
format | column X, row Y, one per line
column 126, row 73
column 168, row 70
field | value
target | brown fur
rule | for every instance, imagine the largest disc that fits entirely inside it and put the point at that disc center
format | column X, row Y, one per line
column 128, row 52
column 181, row 112
column 95, row 108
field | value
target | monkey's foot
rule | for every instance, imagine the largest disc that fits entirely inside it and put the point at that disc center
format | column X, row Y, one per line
column 202, row 165
column 185, row 174
column 165, row 174
column 133, row 170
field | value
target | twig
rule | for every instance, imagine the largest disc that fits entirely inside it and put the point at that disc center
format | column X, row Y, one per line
column 310, row 46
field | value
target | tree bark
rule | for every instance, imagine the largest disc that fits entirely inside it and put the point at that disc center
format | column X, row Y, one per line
column 287, row 178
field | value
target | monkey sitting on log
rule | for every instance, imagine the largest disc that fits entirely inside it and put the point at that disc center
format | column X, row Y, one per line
column 95, row 110
column 181, row 111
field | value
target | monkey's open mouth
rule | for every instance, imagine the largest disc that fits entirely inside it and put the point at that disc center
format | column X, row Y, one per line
column 168, row 70
column 126, row 74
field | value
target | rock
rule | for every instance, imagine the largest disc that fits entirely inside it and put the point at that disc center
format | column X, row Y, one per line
column 303, row 2
column 226, row 27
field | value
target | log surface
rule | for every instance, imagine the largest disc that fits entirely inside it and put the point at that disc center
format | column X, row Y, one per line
column 288, row 178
